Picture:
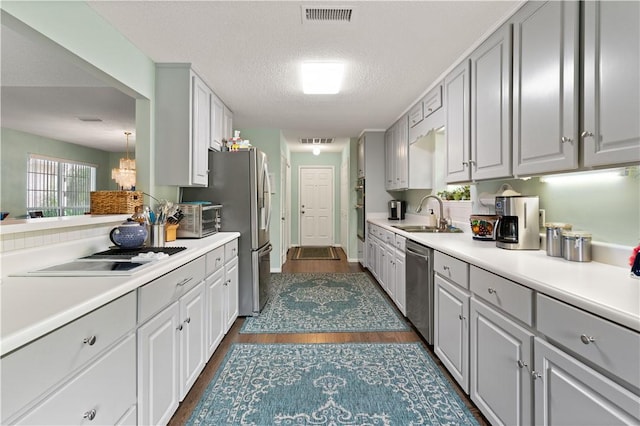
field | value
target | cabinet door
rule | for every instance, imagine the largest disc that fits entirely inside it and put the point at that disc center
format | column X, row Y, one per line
column 158, row 367
column 381, row 264
column 371, row 254
column 401, row 154
column 401, row 282
column 231, row 292
column 192, row 337
column 611, row 104
column 201, row 131
column 390, row 277
column 228, row 123
column 545, row 82
column 215, row 310
column 217, row 126
column 501, row 358
column 361, row 157
column 389, row 163
column 451, row 331
column 568, row 392
column 491, row 107
column 456, row 111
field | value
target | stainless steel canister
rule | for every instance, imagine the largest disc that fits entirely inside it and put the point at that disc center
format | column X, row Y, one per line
column 554, row 237
column 576, row 246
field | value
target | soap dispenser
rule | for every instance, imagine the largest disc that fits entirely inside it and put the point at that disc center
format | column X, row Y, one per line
column 431, row 219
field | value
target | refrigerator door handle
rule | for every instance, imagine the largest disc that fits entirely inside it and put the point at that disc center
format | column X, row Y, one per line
column 267, row 195
column 268, row 249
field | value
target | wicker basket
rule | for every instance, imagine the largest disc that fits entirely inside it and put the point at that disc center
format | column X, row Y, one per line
column 115, row 202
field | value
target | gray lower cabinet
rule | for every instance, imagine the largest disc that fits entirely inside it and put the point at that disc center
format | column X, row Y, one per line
column 568, row 392
column 545, row 87
column 451, row 329
column 611, row 101
column 501, row 358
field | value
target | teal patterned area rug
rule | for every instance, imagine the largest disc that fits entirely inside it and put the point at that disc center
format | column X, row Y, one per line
column 330, row 384
column 323, row 303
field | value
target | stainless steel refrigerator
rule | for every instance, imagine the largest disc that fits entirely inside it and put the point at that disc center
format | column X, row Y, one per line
column 240, row 182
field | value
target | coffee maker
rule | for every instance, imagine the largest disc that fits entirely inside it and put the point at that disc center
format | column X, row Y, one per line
column 517, row 227
column 397, row 209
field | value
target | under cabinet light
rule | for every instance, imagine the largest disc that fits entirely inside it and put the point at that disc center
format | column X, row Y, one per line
column 322, row 78
column 585, row 177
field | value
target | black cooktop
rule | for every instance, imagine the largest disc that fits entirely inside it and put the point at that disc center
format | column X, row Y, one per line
column 126, row 254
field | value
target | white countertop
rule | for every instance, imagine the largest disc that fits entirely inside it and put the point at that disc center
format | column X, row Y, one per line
column 12, row 226
column 604, row 290
column 34, row 306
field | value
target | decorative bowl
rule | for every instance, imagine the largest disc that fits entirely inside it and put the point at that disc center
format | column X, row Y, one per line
column 483, row 226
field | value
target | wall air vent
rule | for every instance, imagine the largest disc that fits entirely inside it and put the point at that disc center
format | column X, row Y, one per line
column 316, row 141
column 326, row 14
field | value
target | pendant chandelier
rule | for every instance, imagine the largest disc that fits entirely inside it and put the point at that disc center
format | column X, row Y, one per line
column 125, row 175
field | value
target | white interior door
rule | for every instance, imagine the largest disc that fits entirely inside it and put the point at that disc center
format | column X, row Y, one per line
column 316, row 206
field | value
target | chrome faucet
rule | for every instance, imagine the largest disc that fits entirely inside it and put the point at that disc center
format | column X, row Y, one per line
column 442, row 222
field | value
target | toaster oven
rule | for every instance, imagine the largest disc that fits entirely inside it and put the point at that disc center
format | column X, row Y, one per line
column 200, row 220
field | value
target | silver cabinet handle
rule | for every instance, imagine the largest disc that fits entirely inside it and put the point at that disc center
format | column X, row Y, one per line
column 179, row 327
column 461, row 317
column 90, row 340
column 491, row 290
column 587, row 339
column 91, row 414
column 465, row 164
column 445, row 267
column 188, row 320
column 522, row 364
column 586, row 134
column 565, row 139
column 535, row 375
column 183, row 282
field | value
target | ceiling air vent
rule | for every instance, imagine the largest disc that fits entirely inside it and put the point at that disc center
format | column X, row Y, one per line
column 316, row 141
column 326, row 14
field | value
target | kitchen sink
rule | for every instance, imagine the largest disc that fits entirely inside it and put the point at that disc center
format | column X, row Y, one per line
column 430, row 229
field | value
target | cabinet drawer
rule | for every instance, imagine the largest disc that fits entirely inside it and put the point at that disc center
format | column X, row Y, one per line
column 415, row 115
column 33, row 369
column 603, row 343
column 164, row 290
column 106, row 389
column 451, row 268
column 230, row 250
column 401, row 242
column 214, row 260
column 512, row 298
column 432, row 101
column 388, row 237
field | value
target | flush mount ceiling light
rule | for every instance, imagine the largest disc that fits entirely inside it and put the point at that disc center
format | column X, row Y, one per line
column 322, row 78
column 316, row 150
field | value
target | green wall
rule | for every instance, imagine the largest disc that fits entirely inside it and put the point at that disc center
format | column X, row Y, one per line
column 308, row 159
column 14, row 153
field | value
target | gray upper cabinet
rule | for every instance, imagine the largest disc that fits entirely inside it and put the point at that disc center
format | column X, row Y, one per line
column 545, row 87
column 217, row 123
column 432, row 101
column 491, row 107
column 611, row 129
column 416, row 115
column 183, row 126
column 456, row 111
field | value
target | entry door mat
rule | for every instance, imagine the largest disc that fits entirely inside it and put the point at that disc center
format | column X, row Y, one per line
column 330, row 384
column 324, row 303
column 315, row 253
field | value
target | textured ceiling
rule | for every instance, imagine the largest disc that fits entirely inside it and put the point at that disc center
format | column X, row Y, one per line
column 250, row 53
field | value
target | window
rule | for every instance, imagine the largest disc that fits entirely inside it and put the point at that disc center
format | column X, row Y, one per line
column 59, row 187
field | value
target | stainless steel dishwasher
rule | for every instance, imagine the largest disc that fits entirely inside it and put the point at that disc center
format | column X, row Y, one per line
column 419, row 270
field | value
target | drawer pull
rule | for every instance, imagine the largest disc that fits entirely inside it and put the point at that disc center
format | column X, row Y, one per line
column 179, row 327
column 587, row 339
column 491, row 290
column 183, row 282
column 90, row 340
column 188, row 320
column 445, row 267
column 522, row 364
column 91, row 414
column 460, row 317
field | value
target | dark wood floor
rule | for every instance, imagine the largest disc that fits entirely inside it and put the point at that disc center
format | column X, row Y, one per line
column 234, row 336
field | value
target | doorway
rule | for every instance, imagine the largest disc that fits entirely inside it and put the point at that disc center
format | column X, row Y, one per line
column 316, row 205
column 285, row 190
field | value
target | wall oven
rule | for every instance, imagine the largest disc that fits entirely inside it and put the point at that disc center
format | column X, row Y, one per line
column 360, row 208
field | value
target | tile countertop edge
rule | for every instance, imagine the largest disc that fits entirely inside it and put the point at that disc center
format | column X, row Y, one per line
column 113, row 288
column 618, row 301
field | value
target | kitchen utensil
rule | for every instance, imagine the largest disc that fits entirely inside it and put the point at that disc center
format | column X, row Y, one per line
column 554, row 237
column 483, row 226
column 129, row 235
column 576, row 246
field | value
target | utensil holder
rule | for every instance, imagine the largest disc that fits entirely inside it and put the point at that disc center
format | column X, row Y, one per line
column 171, row 232
column 158, row 236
